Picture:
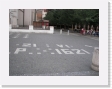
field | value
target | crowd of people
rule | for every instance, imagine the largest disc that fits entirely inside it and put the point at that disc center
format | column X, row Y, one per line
column 90, row 32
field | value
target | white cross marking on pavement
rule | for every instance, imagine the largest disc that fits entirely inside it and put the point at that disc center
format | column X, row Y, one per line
column 38, row 53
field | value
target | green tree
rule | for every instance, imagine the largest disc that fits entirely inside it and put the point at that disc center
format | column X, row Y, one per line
column 70, row 17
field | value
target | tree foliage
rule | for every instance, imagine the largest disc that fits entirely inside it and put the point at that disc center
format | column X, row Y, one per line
column 73, row 16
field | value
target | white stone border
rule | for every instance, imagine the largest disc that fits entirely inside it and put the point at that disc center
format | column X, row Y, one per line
column 51, row 31
column 30, row 27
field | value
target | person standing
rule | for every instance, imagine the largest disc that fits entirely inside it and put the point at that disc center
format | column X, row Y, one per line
column 91, row 31
column 94, row 33
column 87, row 31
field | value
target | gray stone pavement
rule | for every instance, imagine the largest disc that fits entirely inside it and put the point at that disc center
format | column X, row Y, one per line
column 57, row 31
column 34, row 54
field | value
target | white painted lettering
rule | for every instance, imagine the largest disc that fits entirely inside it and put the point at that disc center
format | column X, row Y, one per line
column 52, row 53
column 47, row 45
column 26, row 45
column 19, row 50
column 77, row 51
column 58, row 51
column 30, row 53
column 60, row 45
column 38, row 53
column 66, row 51
column 34, row 45
column 67, row 46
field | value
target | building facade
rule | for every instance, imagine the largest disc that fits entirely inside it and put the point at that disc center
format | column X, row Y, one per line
column 26, row 17
column 21, row 17
column 40, row 14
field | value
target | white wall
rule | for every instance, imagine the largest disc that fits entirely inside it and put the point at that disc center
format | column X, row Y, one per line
column 32, row 15
column 29, row 16
column 20, row 17
column 33, row 12
column 17, row 17
column 13, row 13
column 14, row 16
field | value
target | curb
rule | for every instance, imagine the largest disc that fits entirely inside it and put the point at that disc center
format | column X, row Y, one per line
column 30, row 31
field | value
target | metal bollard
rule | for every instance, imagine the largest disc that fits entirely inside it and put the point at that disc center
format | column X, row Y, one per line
column 95, row 59
column 61, row 31
column 52, row 29
column 43, row 26
column 68, row 32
